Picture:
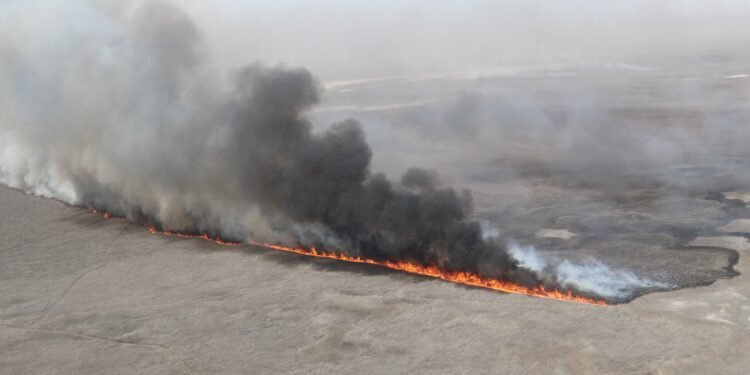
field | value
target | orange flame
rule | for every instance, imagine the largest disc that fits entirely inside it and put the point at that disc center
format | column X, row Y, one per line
column 459, row 277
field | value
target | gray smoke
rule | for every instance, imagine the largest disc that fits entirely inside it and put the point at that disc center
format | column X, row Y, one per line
column 591, row 275
column 116, row 107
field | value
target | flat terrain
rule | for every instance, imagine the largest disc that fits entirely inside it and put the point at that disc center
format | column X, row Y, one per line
column 83, row 295
column 641, row 169
column 625, row 164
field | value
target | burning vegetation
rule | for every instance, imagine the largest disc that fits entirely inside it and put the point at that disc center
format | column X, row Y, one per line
column 163, row 145
column 458, row 277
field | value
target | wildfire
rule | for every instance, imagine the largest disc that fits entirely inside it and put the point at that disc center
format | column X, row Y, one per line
column 459, row 277
column 204, row 236
column 104, row 214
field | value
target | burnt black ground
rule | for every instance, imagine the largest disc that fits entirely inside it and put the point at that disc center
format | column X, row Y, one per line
column 84, row 295
column 632, row 161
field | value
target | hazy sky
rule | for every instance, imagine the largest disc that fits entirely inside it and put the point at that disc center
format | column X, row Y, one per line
column 338, row 39
column 356, row 39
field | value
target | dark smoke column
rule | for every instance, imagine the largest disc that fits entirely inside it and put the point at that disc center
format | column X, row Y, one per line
column 325, row 178
column 127, row 117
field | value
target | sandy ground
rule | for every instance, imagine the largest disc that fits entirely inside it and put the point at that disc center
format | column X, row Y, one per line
column 84, row 295
column 624, row 167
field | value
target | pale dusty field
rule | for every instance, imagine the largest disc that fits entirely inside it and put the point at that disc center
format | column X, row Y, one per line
column 555, row 161
column 84, row 295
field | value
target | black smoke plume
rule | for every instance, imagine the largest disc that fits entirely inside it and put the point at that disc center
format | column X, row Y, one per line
column 126, row 116
column 324, row 178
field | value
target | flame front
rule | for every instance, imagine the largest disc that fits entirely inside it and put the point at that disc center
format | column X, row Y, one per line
column 458, row 277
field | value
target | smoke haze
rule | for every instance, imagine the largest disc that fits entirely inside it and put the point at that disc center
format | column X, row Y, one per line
column 342, row 40
column 124, row 106
column 132, row 124
column 590, row 276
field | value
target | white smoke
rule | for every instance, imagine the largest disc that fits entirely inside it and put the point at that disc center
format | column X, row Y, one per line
column 489, row 231
column 590, row 276
column 116, row 105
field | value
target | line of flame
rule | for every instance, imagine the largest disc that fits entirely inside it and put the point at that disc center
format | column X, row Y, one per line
column 459, row 277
